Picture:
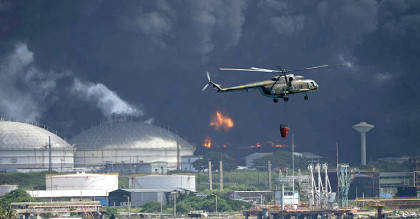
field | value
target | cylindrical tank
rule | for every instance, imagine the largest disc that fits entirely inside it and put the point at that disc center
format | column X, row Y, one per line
column 4, row 189
column 82, row 181
column 331, row 197
column 166, row 182
column 128, row 142
column 24, row 147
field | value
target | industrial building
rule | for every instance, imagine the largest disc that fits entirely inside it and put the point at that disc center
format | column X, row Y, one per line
column 252, row 196
column 129, row 142
column 389, row 182
column 25, row 147
column 158, row 167
column 249, row 160
column 138, row 197
column 166, row 182
column 289, row 197
column 187, row 163
column 77, row 187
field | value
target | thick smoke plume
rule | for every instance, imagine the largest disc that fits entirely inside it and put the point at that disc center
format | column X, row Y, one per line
column 26, row 92
column 22, row 87
column 106, row 100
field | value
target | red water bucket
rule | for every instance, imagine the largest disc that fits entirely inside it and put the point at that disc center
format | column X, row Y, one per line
column 284, row 129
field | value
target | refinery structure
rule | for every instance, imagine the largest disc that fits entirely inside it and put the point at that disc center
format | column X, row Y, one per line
column 25, row 148
column 28, row 147
column 123, row 148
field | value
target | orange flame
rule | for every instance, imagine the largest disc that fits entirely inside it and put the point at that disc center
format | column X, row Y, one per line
column 258, row 145
column 207, row 142
column 274, row 145
column 221, row 122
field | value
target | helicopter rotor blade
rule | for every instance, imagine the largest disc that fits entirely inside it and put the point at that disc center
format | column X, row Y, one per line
column 249, row 69
column 264, row 69
column 281, row 70
column 205, row 87
column 311, row 68
column 208, row 76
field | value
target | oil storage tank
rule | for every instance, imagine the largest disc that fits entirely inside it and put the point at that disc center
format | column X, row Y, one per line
column 164, row 182
column 128, row 142
column 82, row 181
column 25, row 147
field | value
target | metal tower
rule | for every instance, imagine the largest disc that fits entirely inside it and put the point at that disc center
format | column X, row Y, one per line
column 344, row 179
column 363, row 127
column 320, row 195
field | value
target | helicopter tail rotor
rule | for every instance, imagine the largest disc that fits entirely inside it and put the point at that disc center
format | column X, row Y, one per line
column 216, row 86
column 208, row 78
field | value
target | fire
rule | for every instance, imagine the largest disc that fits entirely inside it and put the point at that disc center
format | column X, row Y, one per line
column 207, row 142
column 258, row 145
column 274, row 145
column 221, row 122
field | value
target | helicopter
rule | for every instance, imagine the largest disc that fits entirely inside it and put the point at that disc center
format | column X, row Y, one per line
column 278, row 87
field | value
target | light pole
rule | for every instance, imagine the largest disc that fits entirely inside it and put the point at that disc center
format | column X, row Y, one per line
column 174, row 193
column 216, row 203
column 129, row 205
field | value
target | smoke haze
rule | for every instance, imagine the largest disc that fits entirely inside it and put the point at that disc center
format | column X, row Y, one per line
column 84, row 61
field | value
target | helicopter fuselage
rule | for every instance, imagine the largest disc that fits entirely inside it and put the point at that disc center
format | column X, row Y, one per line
column 282, row 89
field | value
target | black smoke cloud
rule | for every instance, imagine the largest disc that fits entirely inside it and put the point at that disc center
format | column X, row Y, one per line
column 154, row 54
column 27, row 93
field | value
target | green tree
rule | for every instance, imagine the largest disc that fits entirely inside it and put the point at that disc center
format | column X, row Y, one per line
column 229, row 163
column 110, row 211
column 192, row 202
column 282, row 159
column 150, row 207
column 17, row 195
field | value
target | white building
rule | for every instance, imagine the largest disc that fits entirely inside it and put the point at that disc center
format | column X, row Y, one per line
column 25, row 148
column 165, row 182
column 249, row 160
column 187, row 161
column 289, row 197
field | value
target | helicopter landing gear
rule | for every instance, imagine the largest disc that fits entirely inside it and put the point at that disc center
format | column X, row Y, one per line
column 275, row 100
column 285, row 99
column 306, row 97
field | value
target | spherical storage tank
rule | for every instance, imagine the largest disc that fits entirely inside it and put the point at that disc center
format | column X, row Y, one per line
column 25, row 147
column 128, row 142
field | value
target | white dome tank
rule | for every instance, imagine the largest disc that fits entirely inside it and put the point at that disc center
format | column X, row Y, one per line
column 128, row 142
column 25, row 147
